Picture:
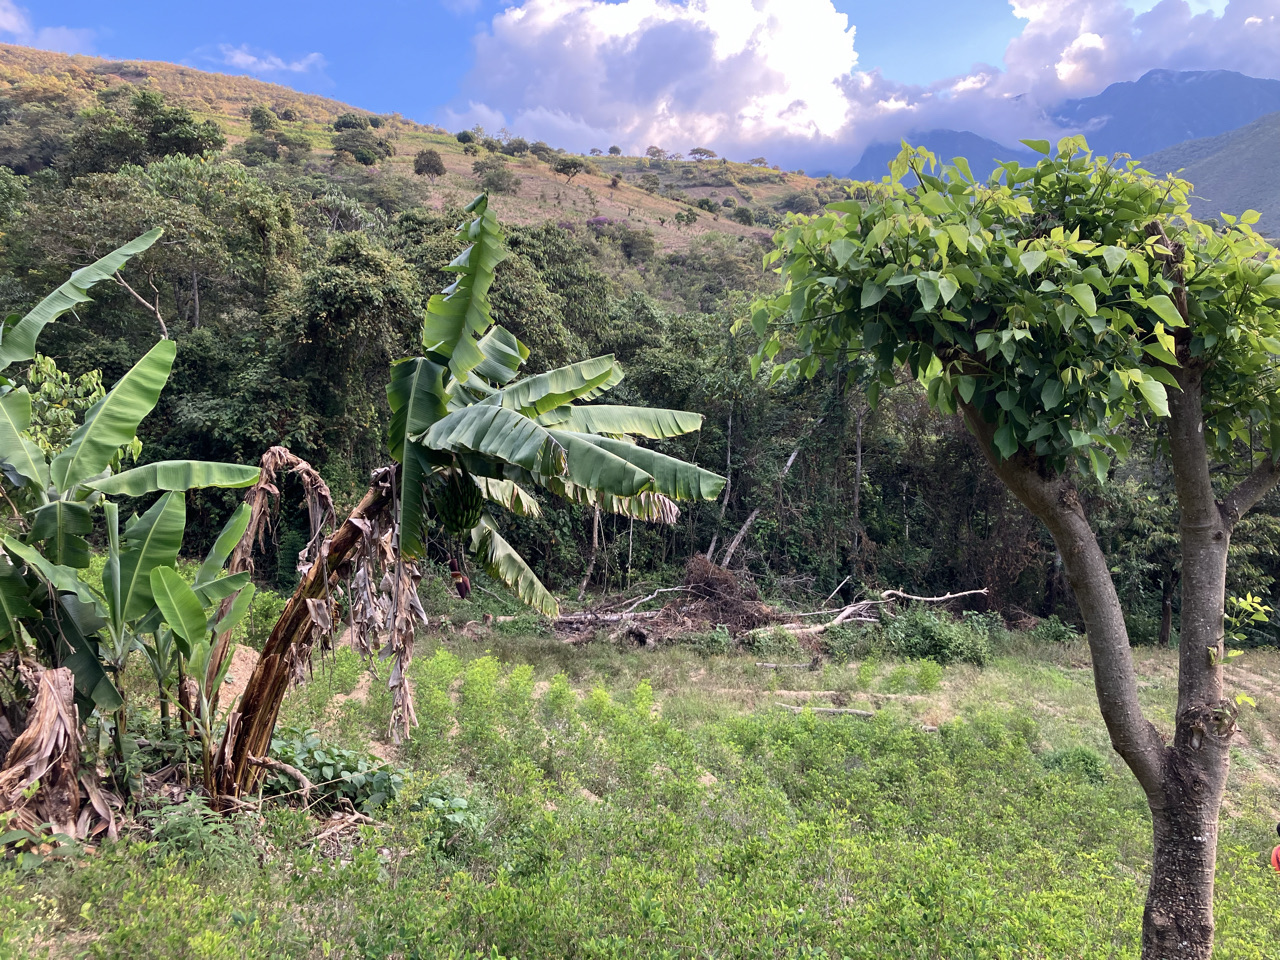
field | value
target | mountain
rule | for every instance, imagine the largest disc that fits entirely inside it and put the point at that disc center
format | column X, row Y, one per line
column 1233, row 172
column 1166, row 107
column 982, row 154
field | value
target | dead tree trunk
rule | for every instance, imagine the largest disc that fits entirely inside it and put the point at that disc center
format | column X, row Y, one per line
column 251, row 724
column 595, row 552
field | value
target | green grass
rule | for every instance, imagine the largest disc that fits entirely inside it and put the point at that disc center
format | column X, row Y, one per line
column 655, row 804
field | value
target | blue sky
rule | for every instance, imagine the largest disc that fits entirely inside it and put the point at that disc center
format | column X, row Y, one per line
column 798, row 75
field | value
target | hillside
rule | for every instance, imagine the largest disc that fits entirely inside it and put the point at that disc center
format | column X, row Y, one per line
column 1234, row 172
column 51, row 82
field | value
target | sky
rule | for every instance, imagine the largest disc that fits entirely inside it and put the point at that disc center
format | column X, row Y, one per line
column 798, row 80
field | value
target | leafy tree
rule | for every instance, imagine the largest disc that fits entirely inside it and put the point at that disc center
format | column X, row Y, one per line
column 649, row 182
column 655, row 153
column 707, row 204
column 744, row 216
column 702, row 153
column 465, row 136
column 493, row 175
column 758, row 162
column 541, row 150
column 1049, row 306
column 262, row 119
column 146, row 131
column 427, row 163
column 615, row 151
column 516, row 147
column 596, row 152
column 351, row 121
column 367, row 147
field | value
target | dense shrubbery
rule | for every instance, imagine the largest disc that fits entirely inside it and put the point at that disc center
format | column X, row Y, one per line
column 919, row 633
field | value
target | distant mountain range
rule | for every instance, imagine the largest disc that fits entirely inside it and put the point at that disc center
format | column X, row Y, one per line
column 1220, row 128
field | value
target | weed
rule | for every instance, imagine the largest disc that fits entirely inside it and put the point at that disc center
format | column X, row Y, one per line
column 191, row 831
column 1053, row 630
column 1079, row 761
column 919, row 633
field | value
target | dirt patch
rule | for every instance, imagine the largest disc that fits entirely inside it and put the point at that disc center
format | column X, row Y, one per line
column 243, row 660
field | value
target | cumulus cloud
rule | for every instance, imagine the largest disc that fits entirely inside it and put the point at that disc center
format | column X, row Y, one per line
column 262, row 61
column 16, row 27
column 737, row 74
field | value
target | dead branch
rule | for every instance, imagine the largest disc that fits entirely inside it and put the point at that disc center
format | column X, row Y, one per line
column 813, row 664
column 899, row 595
column 305, row 786
column 847, row 711
column 151, row 308
column 47, row 754
column 654, row 596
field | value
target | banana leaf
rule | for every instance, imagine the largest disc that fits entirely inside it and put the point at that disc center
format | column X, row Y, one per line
column 17, row 449
column 175, row 475
column 504, row 564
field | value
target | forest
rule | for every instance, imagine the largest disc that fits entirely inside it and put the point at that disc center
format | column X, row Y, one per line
column 476, row 580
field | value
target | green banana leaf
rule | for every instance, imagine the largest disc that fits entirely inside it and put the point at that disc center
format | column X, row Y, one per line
column 415, row 394
column 539, row 394
column 150, row 541
column 509, row 494
column 501, row 562
column 62, row 579
column 237, row 611
column 15, row 601
column 17, row 449
column 61, row 527
column 113, row 420
column 503, row 355
column 18, row 342
column 175, row 475
column 672, row 477
column 620, row 421
column 178, row 603
column 461, row 312
column 232, row 532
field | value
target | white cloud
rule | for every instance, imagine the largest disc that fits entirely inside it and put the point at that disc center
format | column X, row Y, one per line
column 16, row 27
column 738, row 74
column 262, row 61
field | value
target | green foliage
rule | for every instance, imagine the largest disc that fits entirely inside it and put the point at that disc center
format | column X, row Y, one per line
column 147, row 130
column 337, row 774
column 494, row 175
column 1053, row 630
column 569, row 167
column 919, row 633
column 363, row 144
column 428, row 163
column 710, row 643
column 192, row 832
column 1078, row 761
column 351, row 121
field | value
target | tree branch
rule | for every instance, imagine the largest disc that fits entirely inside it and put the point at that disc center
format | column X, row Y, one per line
column 151, row 308
column 1250, row 490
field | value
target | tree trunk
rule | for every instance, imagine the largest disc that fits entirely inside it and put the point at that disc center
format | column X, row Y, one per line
column 595, row 552
column 728, row 486
column 1166, row 613
column 251, row 724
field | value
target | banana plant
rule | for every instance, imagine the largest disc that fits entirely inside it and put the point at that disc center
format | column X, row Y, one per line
column 45, row 595
column 190, row 622
column 461, row 408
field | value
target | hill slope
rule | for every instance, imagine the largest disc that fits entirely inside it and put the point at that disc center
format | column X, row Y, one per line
column 1233, row 172
column 982, row 153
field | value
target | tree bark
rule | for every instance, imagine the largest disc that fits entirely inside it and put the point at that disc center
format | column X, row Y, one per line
column 251, row 724
column 1166, row 613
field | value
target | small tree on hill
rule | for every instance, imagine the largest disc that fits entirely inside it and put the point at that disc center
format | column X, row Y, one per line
column 569, row 167
column 1049, row 307
column 702, row 153
column 615, row 151
column 493, row 174
column 427, row 163
column 262, row 120
column 465, row 136
column 351, row 121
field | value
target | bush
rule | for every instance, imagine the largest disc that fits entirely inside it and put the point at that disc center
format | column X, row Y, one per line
column 918, row 633
column 744, row 216
column 193, row 832
column 799, row 202
column 707, row 204
column 367, row 147
column 495, row 176
column 465, row 136
column 1078, row 761
column 351, row 121
column 360, row 778
column 842, row 644
column 1053, row 630
column 711, row 643
column 428, row 163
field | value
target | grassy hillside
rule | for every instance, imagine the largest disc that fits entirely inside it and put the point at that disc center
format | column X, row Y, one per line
column 1234, row 172
column 600, row 803
column 34, row 76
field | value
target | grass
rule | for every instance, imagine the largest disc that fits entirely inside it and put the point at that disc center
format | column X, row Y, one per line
column 610, row 803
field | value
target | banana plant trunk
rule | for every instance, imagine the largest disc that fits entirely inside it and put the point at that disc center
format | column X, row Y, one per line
column 252, row 723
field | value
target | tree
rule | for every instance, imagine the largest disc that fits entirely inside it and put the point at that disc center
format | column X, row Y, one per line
column 744, row 216
column 427, row 163
column 465, row 136
column 702, row 153
column 655, row 153
column 596, row 152
column 516, row 147
column 467, row 431
column 649, row 182
column 350, row 121
column 1048, row 307
column 615, row 151
column 493, row 175
column 262, row 120
column 363, row 144
column 146, row 131
column 569, row 167
column 758, row 162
